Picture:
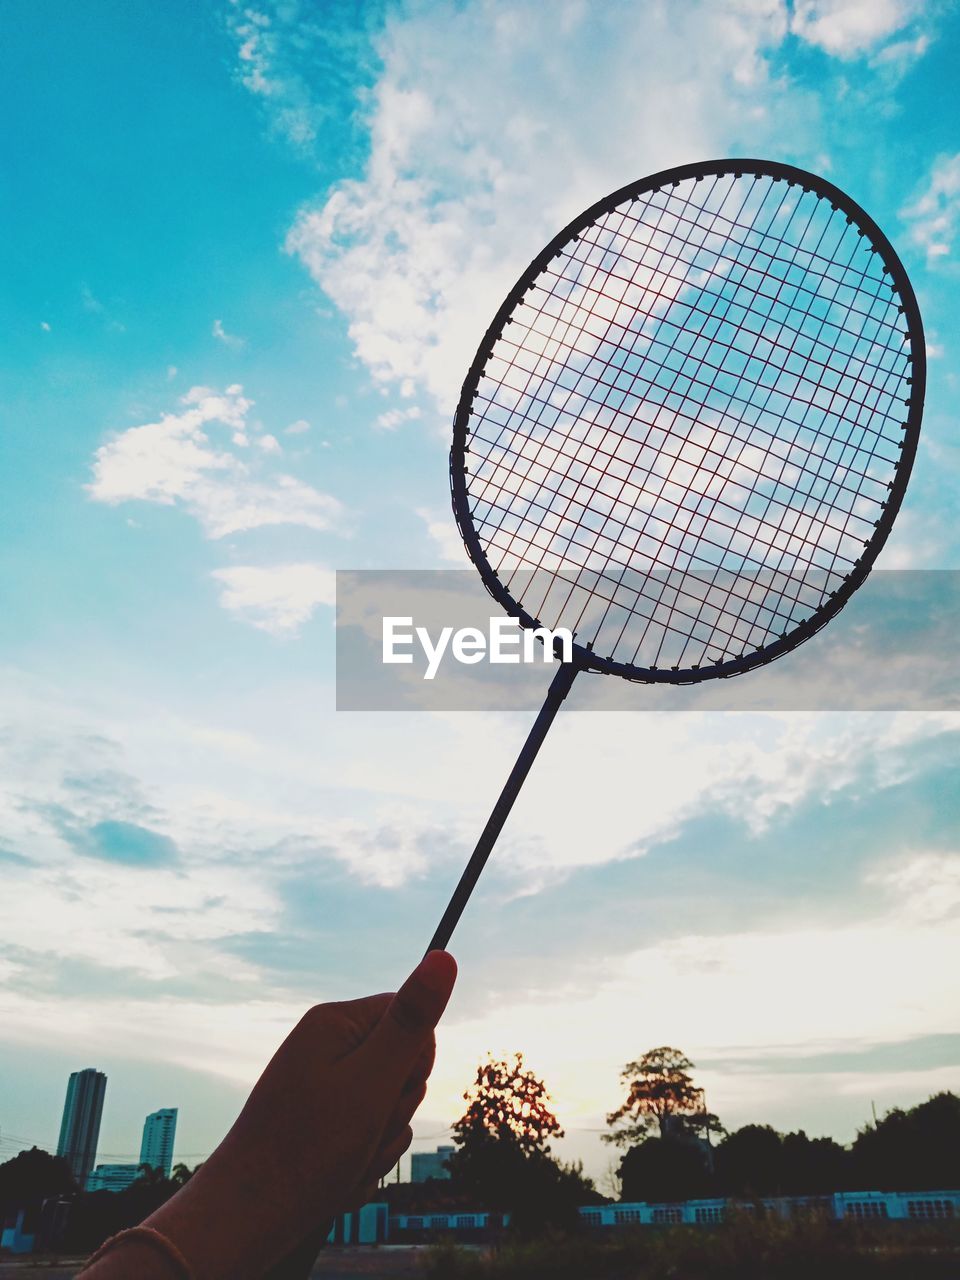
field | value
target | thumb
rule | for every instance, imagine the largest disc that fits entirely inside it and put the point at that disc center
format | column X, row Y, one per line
column 408, row 1020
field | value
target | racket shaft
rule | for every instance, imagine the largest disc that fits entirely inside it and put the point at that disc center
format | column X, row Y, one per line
column 559, row 688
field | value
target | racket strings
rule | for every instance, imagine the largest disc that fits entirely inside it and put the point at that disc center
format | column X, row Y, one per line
column 672, row 561
column 662, row 297
column 732, row 628
column 494, row 442
column 761, row 244
column 755, row 620
column 571, row 538
column 715, row 342
column 577, row 451
column 551, row 484
column 657, row 599
column 713, row 366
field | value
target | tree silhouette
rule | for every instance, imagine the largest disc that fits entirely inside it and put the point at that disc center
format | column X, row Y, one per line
column 750, row 1162
column 813, row 1166
column 663, row 1169
column 661, row 1096
column 31, row 1177
column 758, row 1161
column 503, row 1156
column 915, row 1150
column 150, row 1175
column 99, row 1214
column 507, row 1102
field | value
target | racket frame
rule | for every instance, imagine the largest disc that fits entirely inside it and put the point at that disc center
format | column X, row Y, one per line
column 584, row 656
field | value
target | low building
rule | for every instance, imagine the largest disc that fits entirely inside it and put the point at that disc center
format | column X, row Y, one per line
column 16, row 1234
column 895, row 1206
column 430, row 1164
column 366, row 1225
column 112, row 1177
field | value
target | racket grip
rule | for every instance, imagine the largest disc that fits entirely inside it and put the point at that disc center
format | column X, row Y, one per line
column 559, row 688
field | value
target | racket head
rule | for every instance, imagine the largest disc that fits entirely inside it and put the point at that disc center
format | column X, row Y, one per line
column 600, row 438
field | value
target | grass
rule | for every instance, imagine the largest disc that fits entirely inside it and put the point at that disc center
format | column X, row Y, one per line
column 742, row 1249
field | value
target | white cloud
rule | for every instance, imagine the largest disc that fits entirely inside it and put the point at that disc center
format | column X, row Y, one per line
column 419, row 252
column 443, row 531
column 228, row 339
column 279, row 598
column 926, row 886
column 177, row 1031
column 387, row 853
column 44, row 326
column 919, row 539
column 175, row 462
column 551, row 110
column 755, row 769
column 269, row 443
column 63, row 773
column 298, row 428
column 902, row 52
column 255, row 52
column 285, row 48
column 932, row 216
column 849, row 28
column 391, row 419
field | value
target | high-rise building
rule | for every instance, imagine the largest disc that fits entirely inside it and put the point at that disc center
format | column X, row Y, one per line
column 159, row 1131
column 430, row 1164
column 80, row 1127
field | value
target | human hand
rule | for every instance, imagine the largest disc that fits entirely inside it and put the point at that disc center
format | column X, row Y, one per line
column 327, row 1119
column 351, row 1074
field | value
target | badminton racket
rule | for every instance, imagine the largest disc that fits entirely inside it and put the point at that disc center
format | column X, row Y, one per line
column 687, row 431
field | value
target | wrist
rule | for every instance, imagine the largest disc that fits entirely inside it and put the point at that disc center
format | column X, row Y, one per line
column 233, row 1220
column 140, row 1251
column 212, row 1225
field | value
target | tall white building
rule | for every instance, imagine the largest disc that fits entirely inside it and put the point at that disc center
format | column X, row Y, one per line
column 159, row 1131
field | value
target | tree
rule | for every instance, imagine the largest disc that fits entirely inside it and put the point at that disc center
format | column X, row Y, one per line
column 661, row 1095
column 103, row 1213
column 507, row 1125
column 509, row 1103
column 32, row 1176
column 550, row 1196
column 915, row 1150
column 750, row 1162
column 150, row 1175
column 180, row 1175
column 503, row 1159
column 661, row 1169
column 758, row 1161
column 813, row 1166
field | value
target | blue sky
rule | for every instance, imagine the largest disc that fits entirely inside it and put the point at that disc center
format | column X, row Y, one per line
column 248, row 252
